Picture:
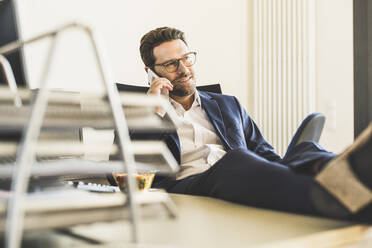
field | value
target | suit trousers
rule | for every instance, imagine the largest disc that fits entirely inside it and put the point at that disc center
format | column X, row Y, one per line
column 241, row 176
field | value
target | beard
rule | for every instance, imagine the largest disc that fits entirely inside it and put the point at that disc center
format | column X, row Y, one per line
column 183, row 89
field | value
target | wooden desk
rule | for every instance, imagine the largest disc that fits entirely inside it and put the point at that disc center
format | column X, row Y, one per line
column 205, row 222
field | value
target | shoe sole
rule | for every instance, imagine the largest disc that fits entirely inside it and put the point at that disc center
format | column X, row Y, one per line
column 339, row 179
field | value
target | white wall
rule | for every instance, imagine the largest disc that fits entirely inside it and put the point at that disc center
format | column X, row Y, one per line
column 335, row 71
column 216, row 29
column 219, row 30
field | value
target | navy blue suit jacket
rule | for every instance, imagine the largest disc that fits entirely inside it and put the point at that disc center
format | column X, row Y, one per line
column 233, row 125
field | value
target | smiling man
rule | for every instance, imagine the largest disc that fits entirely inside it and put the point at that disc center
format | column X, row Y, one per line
column 173, row 61
column 222, row 153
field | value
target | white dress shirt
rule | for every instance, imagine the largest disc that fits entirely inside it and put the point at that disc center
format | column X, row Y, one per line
column 201, row 147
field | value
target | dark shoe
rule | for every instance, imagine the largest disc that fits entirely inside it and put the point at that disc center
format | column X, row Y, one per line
column 347, row 178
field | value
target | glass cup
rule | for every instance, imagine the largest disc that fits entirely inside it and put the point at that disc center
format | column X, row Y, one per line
column 144, row 180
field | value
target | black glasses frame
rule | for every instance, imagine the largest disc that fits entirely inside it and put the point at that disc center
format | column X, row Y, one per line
column 164, row 65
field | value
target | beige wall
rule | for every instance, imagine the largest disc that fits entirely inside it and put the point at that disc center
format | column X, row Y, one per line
column 334, row 67
column 216, row 29
column 334, row 70
column 221, row 32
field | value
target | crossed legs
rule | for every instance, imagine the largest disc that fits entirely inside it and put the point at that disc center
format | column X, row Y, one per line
column 243, row 177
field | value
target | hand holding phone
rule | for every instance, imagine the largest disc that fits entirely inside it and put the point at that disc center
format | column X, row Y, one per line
column 151, row 75
column 161, row 86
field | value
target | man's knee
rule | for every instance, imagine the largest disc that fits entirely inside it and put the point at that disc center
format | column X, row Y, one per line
column 240, row 155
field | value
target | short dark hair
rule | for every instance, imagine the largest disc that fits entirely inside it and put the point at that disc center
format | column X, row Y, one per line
column 156, row 37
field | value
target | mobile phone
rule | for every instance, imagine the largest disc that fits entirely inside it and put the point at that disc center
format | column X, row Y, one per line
column 151, row 75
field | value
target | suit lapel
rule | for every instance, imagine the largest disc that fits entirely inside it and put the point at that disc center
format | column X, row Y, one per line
column 173, row 142
column 213, row 111
column 211, row 107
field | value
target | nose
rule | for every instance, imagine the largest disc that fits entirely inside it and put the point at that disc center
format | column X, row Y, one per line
column 182, row 68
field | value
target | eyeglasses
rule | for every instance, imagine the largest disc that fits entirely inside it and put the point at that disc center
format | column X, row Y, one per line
column 172, row 66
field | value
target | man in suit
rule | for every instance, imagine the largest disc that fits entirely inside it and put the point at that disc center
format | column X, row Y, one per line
column 222, row 153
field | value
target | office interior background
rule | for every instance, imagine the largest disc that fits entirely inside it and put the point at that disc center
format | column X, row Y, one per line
column 224, row 33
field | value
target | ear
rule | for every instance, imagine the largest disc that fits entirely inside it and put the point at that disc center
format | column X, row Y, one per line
column 146, row 68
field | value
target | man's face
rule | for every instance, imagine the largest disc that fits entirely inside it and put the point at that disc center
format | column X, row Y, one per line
column 183, row 79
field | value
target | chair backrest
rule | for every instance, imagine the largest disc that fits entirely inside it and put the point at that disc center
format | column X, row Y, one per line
column 310, row 130
column 214, row 88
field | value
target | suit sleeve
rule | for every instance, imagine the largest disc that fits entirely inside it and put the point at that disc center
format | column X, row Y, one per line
column 254, row 139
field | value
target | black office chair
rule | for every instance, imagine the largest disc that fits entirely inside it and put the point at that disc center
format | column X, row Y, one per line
column 310, row 129
column 214, row 88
